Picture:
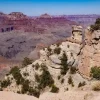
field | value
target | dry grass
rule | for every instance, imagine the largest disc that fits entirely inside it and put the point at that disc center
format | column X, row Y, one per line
column 96, row 86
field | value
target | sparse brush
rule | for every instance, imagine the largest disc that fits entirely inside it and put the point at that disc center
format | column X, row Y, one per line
column 70, row 81
column 96, row 86
column 54, row 89
column 57, row 50
column 81, row 84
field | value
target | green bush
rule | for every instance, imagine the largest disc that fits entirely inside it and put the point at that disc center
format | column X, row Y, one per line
column 97, row 21
column 45, row 80
column 34, row 92
column 96, row 26
column 49, row 49
column 62, row 81
column 70, row 81
column 5, row 83
column 95, row 72
column 73, row 70
column 37, row 78
column 44, row 67
column 64, row 65
column 59, row 77
column 54, row 89
column 17, row 75
column 25, row 86
column 26, row 74
column 81, row 84
column 26, row 61
column 37, row 66
column 57, row 50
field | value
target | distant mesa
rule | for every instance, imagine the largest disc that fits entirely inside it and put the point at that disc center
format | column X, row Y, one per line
column 45, row 16
column 17, row 15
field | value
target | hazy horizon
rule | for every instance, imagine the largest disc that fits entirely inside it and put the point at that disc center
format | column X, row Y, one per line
column 52, row 7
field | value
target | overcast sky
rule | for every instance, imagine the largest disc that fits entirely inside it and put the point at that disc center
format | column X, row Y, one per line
column 53, row 7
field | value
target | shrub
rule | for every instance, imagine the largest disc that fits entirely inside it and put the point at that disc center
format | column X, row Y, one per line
column 54, row 89
column 45, row 79
column 58, row 44
column 64, row 65
column 37, row 66
column 37, row 78
column 26, row 74
column 26, row 61
column 44, row 67
column 17, row 75
column 97, row 21
column 25, row 86
column 34, row 92
column 96, row 26
column 62, row 81
column 95, row 72
column 67, row 89
column 49, row 49
column 18, row 92
column 33, row 66
column 5, row 83
column 81, row 84
column 96, row 86
column 59, row 77
column 68, row 46
column 73, row 70
column 57, row 50
column 70, row 81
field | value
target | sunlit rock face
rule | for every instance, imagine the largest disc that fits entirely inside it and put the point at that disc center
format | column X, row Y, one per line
column 77, row 33
column 16, row 16
column 90, row 54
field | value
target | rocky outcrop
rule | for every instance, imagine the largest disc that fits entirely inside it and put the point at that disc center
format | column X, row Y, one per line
column 45, row 16
column 16, row 16
column 77, row 32
column 90, row 54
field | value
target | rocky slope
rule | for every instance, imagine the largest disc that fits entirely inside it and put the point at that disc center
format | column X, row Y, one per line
column 61, row 67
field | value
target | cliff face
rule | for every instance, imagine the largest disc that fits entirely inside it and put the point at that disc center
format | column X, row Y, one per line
column 42, row 24
column 90, row 55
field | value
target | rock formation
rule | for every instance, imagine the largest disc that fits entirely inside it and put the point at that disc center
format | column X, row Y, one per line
column 16, row 16
column 90, row 54
column 45, row 16
column 77, row 33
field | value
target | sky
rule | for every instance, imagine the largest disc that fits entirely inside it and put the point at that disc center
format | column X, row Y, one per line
column 52, row 7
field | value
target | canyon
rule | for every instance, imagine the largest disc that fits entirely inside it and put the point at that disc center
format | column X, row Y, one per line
column 62, row 51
